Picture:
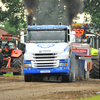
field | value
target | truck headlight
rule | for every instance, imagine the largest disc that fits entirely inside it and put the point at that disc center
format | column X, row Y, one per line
column 27, row 65
column 62, row 64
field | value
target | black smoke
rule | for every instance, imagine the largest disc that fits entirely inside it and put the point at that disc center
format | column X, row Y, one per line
column 31, row 6
column 48, row 12
column 73, row 8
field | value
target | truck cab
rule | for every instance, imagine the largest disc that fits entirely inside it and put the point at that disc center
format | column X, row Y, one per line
column 47, row 52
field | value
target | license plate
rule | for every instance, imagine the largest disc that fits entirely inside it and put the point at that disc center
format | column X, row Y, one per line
column 46, row 71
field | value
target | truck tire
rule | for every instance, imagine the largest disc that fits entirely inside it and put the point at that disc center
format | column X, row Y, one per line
column 70, row 76
column 27, row 78
column 94, row 72
column 17, row 63
column 65, row 78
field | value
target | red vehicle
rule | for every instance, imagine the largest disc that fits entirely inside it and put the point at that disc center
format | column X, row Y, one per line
column 12, row 60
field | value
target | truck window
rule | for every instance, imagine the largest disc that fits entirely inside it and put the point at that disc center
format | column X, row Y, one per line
column 12, row 44
column 46, row 36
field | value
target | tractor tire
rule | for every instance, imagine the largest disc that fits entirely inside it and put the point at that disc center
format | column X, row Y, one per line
column 17, row 63
column 1, row 73
column 27, row 78
column 94, row 72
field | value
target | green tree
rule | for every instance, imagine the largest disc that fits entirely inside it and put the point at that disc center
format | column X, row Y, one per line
column 13, row 17
column 92, row 7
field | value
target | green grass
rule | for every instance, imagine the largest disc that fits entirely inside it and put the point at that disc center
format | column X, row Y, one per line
column 12, row 75
column 97, row 97
column 7, row 74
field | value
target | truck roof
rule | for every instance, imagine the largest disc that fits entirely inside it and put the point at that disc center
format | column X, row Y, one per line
column 48, row 27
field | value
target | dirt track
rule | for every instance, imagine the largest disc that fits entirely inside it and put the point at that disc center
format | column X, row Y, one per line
column 14, row 88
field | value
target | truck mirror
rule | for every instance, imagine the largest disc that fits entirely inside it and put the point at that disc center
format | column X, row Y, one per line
column 22, row 37
column 88, row 40
column 72, row 36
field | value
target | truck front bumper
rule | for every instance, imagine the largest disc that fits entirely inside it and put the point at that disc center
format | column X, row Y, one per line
column 60, row 69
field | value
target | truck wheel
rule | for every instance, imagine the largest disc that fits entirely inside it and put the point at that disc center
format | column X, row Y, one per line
column 27, row 78
column 70, row 73
column 65, row 78
column 94, row 72
column 17, row 63
column 70, row 76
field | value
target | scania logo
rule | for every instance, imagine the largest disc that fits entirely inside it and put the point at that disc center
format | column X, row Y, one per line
column 46, row 45
column 40, row 51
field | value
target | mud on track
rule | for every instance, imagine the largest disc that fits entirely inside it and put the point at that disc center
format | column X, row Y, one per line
column 14, row 88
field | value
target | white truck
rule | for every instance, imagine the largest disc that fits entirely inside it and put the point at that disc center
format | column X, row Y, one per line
column 47, row 52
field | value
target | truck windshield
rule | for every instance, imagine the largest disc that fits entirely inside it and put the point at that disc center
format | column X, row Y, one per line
column 46, row 36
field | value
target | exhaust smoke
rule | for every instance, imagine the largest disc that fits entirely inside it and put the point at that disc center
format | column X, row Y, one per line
column 31, row 6
column 50, row 10
column 73, row 8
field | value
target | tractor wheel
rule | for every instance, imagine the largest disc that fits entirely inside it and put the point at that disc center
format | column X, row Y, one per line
column 94, row 72
column 17, row 63
column 1, row 73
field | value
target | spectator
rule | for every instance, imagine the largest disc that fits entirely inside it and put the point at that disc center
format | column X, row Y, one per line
column 7, row 47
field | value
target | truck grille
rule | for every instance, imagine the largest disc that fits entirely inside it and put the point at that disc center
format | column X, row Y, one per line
column 45, row 60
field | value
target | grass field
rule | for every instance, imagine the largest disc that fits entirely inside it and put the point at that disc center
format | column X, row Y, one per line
column 97, row 97
column 11, row 75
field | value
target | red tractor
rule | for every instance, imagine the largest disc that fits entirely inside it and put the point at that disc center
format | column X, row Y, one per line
column 12, row 59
